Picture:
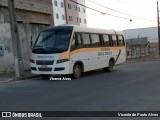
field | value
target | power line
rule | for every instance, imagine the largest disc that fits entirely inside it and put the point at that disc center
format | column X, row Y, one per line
column 122, row 12
column 88, row 7
column 108, row 8
column 125, row 3
column 103, row 13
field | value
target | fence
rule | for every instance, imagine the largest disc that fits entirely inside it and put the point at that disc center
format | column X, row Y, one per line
column 135, row 51
column 140, row 47
column 154, row 48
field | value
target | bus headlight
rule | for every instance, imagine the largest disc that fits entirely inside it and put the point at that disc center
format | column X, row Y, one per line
column 32, row 61
column 62, row 60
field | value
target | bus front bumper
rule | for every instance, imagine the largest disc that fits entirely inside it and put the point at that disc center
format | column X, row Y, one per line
column 62, row 68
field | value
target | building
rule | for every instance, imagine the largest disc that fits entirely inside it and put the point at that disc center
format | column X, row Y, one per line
column 59, row 12
column 82, row 13
column 32, row 17
column 30, row 11
column 69, row 12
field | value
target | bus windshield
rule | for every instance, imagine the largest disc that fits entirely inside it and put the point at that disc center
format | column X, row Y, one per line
column 52, row 41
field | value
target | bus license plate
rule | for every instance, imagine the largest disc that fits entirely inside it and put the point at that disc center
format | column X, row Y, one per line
column 44, row 66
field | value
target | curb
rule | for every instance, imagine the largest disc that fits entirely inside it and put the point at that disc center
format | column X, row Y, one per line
column 150, row 59
column 37, row 76
column 6, row 81
column 19, row 79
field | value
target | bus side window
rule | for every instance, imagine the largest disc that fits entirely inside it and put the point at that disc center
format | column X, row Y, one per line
column 101, row 40
column 106, row 40
column 114, row 38
column 86, row 40
column 76, row 42
column 110, row 40
column 120, row 40
column 95, row 40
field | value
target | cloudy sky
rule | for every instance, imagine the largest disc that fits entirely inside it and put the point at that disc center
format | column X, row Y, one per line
column 143, row 13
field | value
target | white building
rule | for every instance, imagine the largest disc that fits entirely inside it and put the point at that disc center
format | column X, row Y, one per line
column 59, row 12
column 69, row 12
column 82, row 13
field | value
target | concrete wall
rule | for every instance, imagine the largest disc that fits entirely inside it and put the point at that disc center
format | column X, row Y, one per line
column 7, row 60
column 32, row 18
column 25, row 32
column 41, row 6
column 25, row 16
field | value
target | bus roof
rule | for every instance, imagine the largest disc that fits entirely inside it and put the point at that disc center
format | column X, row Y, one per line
column 96, row 30
column 87, row 29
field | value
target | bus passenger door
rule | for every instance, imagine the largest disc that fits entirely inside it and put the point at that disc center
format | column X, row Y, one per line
column 76, row 48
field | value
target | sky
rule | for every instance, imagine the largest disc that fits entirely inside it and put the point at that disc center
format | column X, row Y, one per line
column 143, row 13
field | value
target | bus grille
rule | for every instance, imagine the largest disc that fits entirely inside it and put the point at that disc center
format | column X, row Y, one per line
column 45, row 69
column 49, row 62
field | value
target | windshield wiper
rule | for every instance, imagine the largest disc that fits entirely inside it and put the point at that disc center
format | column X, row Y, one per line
column 47, row 50
column 38, row 47
column 54, row 48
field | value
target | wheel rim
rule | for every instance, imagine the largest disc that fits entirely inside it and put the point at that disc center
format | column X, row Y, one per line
column 110, row 66
column 77, row 71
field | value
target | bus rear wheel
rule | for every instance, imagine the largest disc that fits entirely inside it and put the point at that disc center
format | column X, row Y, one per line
column 110, row 67
column 77, row 71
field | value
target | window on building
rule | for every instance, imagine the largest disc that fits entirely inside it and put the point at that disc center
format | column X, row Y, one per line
column 79, row 9
column 76, row 19
column 57, row 16
column 75, row 7
column 80, row 20
column 85, row 21
column 63, row 17
column 84, row 11
column 70, row 18
column 55, row 2
column 62, row 4
column 69, row 6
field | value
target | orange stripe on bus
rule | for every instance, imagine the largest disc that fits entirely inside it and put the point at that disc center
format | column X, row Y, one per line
column 95, row 49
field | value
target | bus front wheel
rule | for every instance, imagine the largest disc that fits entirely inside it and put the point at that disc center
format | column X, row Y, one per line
column 77, row 71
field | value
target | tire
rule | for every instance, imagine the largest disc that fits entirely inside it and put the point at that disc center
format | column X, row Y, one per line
column 110, row 67
column 77, row 71
column 44, row 76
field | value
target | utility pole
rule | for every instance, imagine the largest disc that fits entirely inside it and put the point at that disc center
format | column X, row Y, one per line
column 158, row 27
column 15, row 40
